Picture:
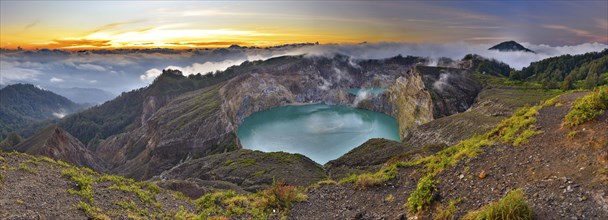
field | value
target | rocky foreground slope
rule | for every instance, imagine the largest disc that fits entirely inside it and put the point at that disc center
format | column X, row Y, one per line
column 561, row 171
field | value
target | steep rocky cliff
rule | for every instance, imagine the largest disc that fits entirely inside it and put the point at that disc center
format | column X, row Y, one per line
column 190, row 126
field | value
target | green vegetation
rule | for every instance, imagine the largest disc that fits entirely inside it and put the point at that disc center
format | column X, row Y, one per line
column 513, row 206
column 588, row 107
column 280, row 197
column 515, row 130
column 422, row 197
column 572, row 134
column 487, row 66
column 447, row 212
column 551, row 102
column 373, row 179
column 119, row 114
column 389, row 198
column 322, row 183
column 24, row 105
column 83, row 180
column 567, row 71
column 92, row 212
column 25, row 168
column 10, row 141
column 504, row 81
column 518, row 128
column 88, row 184
column 242, row 162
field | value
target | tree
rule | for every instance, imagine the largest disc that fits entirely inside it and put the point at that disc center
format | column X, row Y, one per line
column 568, row 82
column 10, row 141
column 592, row 80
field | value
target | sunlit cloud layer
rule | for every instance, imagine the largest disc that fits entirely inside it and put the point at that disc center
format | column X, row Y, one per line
column 189, row 24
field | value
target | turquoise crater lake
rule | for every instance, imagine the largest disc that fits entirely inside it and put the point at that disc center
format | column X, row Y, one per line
column 321, row 132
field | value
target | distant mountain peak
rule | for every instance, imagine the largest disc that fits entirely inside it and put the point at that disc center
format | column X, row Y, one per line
column 509, row 46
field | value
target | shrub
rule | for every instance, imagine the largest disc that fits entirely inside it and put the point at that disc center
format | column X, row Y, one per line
column 588, row 107
column 512, row 206
column 422, row 197
column 282, row 196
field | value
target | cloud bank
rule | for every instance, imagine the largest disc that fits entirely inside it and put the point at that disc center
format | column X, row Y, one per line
column 124, row 70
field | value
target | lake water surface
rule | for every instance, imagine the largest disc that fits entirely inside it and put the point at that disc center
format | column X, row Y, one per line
column 321, row 132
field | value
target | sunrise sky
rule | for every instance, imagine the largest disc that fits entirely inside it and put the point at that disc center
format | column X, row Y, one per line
column 189, row 24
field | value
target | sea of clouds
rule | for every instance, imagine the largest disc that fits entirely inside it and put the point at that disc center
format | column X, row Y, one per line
column 120, row 71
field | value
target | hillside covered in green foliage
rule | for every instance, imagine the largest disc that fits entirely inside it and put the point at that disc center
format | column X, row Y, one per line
column 567, row 71
column 25, row 104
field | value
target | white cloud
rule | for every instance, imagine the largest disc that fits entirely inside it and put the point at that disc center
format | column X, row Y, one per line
column 206, row 67
column 86, row 66
column 59, row 114
column 11, row 72
column 150, row 74
column 126, row 70
column 55, row 79
column 455, row 51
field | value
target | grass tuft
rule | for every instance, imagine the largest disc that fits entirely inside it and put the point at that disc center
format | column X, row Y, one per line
column 280, row 198
column 513, row 206
column 588, row 107
column 422, row 197
column 25, row 168
column 447, row 212
column 92, row 212
column 522, row 121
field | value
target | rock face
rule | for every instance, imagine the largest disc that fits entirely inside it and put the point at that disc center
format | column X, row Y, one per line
column 413, row 103
column 58, row 144
column 189, row 126
column 452, row 91
column 250, row 170
column 151, row 105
